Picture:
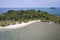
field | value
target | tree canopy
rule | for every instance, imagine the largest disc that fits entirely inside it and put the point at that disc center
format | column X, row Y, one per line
column 27, row 15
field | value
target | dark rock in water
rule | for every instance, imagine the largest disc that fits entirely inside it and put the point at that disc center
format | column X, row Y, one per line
column 52, row 8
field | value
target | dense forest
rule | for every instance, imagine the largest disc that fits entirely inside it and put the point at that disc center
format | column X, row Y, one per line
column 28, row 15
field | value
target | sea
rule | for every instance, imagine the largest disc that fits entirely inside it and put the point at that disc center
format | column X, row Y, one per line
column 55, row 11
column 34, row 31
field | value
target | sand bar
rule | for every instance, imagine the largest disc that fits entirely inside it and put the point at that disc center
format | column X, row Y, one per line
column 18, row 25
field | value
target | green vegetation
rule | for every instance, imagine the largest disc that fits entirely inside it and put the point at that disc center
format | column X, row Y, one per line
column 6, row 23
column 27, row 15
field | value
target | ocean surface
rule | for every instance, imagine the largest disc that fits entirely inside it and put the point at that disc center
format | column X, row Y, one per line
column 50, row 11
column 35, row 31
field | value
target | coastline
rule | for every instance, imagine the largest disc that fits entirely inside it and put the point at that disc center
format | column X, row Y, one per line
column 17, row 25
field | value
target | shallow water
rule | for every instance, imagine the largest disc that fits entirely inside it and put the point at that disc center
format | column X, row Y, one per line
column 35, row 31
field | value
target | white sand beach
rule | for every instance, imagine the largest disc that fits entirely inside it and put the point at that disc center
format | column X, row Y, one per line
column 17, row 25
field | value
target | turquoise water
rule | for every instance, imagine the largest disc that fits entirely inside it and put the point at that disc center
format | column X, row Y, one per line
column 51, row 11
column 35, row 31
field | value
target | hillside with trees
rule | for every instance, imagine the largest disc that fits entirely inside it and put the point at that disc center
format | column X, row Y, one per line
column 27, row 15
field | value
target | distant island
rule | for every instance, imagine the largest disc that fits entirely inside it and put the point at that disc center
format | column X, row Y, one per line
column 12, row 16
column 52, row 8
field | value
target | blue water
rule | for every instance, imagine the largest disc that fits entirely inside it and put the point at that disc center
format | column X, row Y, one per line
column 50, row 11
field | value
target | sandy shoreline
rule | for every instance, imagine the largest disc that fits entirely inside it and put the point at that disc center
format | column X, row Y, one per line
column 18, row 25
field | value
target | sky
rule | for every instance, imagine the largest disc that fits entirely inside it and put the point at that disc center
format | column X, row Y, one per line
column 29, row 3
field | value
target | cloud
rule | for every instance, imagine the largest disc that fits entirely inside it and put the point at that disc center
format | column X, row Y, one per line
column 29, row 3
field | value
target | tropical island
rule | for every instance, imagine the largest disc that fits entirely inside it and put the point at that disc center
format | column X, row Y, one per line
column 52, row 8
column 13, row 16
